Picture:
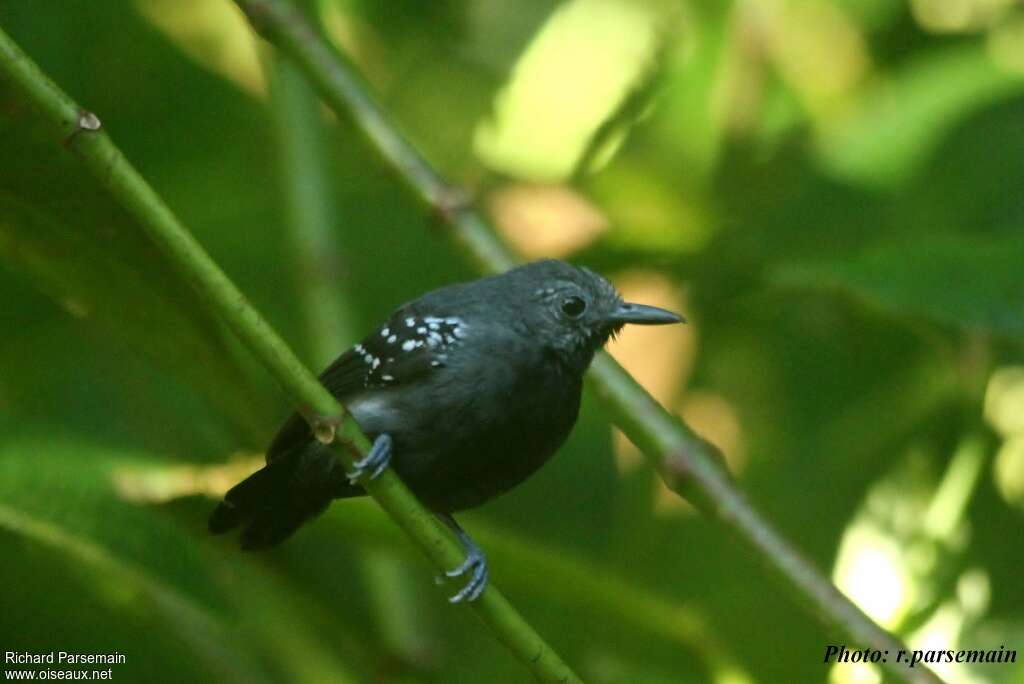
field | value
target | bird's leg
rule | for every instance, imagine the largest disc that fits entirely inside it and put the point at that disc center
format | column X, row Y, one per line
column 375, row 462
column 475, row 561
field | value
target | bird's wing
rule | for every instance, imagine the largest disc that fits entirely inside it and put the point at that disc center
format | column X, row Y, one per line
column 407, row 347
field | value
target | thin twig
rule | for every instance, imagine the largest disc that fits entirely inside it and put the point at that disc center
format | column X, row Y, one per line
column 83, row 134
column 690, row 465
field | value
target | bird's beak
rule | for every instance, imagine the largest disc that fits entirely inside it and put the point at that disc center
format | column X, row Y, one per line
column 643, row 315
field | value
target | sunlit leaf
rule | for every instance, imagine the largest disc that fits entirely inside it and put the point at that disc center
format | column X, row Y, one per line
column 581, row 67
column 904, row 116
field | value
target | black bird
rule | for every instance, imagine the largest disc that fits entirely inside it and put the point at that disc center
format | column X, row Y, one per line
column 465, row 391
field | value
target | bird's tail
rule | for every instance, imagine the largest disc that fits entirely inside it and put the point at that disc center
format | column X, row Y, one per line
column 276, row 500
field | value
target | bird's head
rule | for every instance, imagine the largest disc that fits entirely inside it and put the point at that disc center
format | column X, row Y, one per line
column 574, row 311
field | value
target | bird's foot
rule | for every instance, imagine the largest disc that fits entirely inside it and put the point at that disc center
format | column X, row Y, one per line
column 374, row 463
column 475, row 564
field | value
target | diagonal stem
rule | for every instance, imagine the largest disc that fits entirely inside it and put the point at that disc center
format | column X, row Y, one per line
column 690, row 465
column 82, row 133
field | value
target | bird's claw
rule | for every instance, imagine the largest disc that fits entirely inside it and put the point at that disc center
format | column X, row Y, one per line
column 374, row 463
column 477, row 563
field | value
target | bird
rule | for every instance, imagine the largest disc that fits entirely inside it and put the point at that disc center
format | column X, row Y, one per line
column 465, row 392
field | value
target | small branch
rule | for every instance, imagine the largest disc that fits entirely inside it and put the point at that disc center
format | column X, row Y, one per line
column 344, row 90
column 689, row 464
column 84, row 137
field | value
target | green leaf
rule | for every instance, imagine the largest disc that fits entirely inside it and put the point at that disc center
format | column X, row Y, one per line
column 589, row 69
column 119, row 582
column 970, row 283
column 62, row 233
column 234, row 623
column 903, row 117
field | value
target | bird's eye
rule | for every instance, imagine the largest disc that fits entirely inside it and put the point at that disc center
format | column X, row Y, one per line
column 573, row 307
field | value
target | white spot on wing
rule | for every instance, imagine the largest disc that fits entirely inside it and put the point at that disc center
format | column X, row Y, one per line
column 370, row 408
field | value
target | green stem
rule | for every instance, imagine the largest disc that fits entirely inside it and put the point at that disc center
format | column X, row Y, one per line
column 344, row 90
column 946, row 510
column 690, row 465
column 577, row 582
column 82, row 134
column 310, row 218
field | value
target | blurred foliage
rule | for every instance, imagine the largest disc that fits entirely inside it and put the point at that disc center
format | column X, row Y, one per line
column 832, row 188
